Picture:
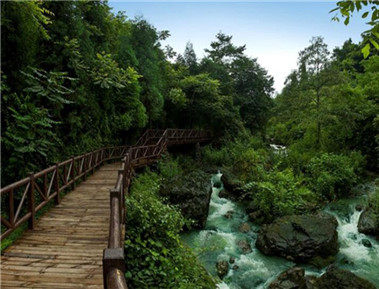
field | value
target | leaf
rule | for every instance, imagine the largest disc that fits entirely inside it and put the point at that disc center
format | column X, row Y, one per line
column 374, row 43
column 366, row 50
column 364, row 15
column 346, row 22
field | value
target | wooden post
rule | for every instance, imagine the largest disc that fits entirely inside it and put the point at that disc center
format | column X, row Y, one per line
column 56, row 183
column 73, row 186
column 11, row 207
column 31, row 203
column 113, row 258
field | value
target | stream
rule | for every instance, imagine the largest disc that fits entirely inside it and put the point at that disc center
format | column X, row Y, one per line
column 218, row 241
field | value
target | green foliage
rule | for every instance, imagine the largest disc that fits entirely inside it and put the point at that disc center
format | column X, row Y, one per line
column 331, row 175
column 371, row 37
column 373, row 203
column 155, row 256
column 280, row 194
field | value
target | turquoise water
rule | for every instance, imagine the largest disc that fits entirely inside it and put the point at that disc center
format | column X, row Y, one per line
column 219, row 241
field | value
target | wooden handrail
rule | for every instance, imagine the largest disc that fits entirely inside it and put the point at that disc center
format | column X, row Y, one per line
column 139, row 155
column 47, row 184
column 40, row 188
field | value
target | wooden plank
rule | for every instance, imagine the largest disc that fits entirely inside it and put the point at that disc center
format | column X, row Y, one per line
column 65, row 249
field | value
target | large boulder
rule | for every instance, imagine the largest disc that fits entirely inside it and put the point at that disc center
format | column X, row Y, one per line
column 300, row 237
column 232, row 186
column 293, row 278
column 334, row 278
column 369, row 223
column 192, row 194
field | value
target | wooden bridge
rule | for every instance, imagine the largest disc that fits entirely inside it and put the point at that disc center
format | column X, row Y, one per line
column 79, row 242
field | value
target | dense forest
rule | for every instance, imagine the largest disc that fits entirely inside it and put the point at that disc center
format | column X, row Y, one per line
column 76, row 77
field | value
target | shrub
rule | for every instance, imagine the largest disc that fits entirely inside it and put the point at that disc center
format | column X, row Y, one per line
column 155, row 256
column 331, row 175
column 280, row 194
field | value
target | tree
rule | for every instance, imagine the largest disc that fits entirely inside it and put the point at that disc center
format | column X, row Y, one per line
column 370, row 37
column 190, row 59
column 315, row 72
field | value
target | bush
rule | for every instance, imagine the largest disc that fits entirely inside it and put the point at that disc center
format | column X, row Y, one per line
column 280, row 194
column 155, row 256
column 332, row 175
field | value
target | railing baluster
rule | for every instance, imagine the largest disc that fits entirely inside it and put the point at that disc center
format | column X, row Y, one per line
column 11, row 207
column 57, row 196
column 31, row 203
column 73, row 186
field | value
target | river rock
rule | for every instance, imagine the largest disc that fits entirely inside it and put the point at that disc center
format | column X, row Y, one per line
column 368, row 223
column 222, row 268
column 336, row 278
column 244, row 246
column 232, row 185
column 232, row 260
column 229, row 214
column 244, row 228
column 366, row 243
column 192, row 194
column 359, row 207
column 300, row 237
column 292, row 278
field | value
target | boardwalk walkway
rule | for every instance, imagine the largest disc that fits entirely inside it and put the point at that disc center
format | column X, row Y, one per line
column 65, row 249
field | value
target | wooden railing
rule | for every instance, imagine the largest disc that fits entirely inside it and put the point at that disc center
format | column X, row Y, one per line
column 139, row 155
column 23, row 199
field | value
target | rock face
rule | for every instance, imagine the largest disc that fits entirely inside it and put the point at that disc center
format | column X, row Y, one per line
column 222, row 268
column 292, row 278
column 300, row 238
column 192, row 194
column 334, row 278
column 368, row 223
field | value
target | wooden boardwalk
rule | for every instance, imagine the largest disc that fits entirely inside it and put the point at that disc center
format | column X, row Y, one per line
column 65, row 249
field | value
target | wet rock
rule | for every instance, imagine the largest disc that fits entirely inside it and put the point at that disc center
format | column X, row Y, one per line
column 229, row 214
column 359, row 207
column 232, row 260
column 368, row 223
column 290, row 279
column 336, row 278
column 244, row 228
column 300, row 237
column 223, row 194
column 192, row 194
column 235, row 267
column 232, row 185
column 222, row 268
column 366, row 243
column 244, row 246
column 217, row 185
column 256, row 217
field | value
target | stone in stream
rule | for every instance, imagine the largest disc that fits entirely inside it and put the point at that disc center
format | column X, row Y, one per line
column 232, row 186
column 366, row 243
column 359, row 207
column 222, row 268
column 334, row 278
column 244, row 228
column 368, row 223
column 300, row 237
column 244, row 246
column 232, row 260
column 229, row 214
column 290, row 279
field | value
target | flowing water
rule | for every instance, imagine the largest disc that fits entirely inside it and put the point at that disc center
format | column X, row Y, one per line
column 219, row 241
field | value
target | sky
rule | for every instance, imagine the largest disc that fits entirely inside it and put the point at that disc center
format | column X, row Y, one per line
column 273, row 31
